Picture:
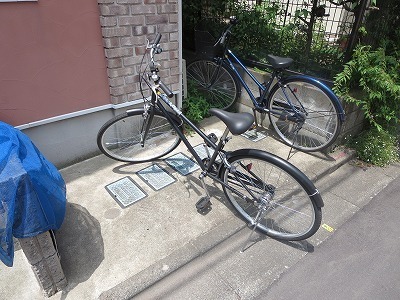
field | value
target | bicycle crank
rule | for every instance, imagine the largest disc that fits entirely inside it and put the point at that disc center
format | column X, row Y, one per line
column 204, row 204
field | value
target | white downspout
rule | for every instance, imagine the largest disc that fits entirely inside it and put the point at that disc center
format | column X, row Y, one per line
column 180, row 41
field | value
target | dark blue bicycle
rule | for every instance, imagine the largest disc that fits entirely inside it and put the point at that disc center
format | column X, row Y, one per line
column 303, row 111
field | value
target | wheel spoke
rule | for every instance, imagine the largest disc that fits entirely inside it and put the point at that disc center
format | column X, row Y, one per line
column 215, row 82
column 120, row 138
column 308, row 120
column 290, row 213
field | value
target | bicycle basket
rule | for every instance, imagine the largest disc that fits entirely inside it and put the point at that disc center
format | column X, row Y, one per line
column 205, row 40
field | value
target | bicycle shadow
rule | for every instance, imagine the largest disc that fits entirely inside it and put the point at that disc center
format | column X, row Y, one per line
column 130, row 168
column 217, row 194
column 303, row 245
column 193, row 185
column 190, row 181
column 326, row 154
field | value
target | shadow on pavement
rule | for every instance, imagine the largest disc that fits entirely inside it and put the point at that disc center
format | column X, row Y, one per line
column 80, row 245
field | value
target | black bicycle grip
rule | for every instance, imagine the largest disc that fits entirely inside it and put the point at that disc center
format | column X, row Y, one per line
column 165, row 89
column 157, row 39
column 233, row 20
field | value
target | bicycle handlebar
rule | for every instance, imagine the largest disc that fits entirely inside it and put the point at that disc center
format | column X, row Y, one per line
column 156, row 49
column 232, row 22
column 157, row 39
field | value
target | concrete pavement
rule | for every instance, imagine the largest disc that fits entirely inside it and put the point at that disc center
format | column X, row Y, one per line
column 111, row 252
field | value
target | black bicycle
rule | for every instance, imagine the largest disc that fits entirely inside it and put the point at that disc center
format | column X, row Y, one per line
column 274, row 196
column 304, row 112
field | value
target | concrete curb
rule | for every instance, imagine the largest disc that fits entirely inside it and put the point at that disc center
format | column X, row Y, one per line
column 341, row 157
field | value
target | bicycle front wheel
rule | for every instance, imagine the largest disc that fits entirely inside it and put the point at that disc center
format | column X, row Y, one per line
column 120, row 137
column 311, row 122
column 272, row 195
column 215, row 82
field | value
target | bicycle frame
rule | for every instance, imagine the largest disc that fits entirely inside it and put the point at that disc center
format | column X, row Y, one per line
column 217, row 148
column 155, row 94
column 264, row 88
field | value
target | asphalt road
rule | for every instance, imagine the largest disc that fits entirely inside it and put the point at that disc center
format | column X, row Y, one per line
column 360, row 261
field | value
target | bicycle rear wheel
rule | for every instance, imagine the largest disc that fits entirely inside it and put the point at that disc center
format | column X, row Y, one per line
column 292, row 208
column 120, row 137
column 215, row 82
column 320, row 122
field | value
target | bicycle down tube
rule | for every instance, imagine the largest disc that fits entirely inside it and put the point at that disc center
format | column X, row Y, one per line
column 181, row 135
column 217, row 149
column 263, row 89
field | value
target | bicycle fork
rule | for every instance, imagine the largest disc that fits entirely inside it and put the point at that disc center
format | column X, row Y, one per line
column 148, row 118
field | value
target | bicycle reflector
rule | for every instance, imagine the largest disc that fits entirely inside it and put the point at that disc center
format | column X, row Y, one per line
column 249, row 166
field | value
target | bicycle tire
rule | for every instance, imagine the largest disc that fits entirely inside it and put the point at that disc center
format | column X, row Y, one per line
column 223, row 92
column 294, row 210
column 321, row 109
column 119, row 138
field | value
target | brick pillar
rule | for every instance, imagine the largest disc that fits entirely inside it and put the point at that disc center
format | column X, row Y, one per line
column 126, row 26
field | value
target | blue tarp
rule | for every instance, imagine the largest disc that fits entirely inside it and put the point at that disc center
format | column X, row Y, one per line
column 32, row 191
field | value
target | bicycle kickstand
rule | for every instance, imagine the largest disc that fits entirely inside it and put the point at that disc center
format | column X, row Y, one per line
column 204, row 204
column 255, row 125
column 290, row 152
column 257, row 219
column 291, row 146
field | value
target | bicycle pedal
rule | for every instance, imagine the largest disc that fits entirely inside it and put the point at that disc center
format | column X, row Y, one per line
column 203, row 204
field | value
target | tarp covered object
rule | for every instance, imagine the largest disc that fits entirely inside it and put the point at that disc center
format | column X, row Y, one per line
column 32, row 191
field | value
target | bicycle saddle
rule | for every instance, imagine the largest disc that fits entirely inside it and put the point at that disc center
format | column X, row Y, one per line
column 237, row 123
column 279, row 62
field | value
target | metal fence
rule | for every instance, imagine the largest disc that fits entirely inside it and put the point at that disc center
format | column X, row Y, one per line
column 318, row 34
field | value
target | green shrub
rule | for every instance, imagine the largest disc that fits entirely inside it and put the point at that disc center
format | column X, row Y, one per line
column 195, row 106
column 256, row 34
column 371, row 80
column 376, row 147
column 265, row 28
